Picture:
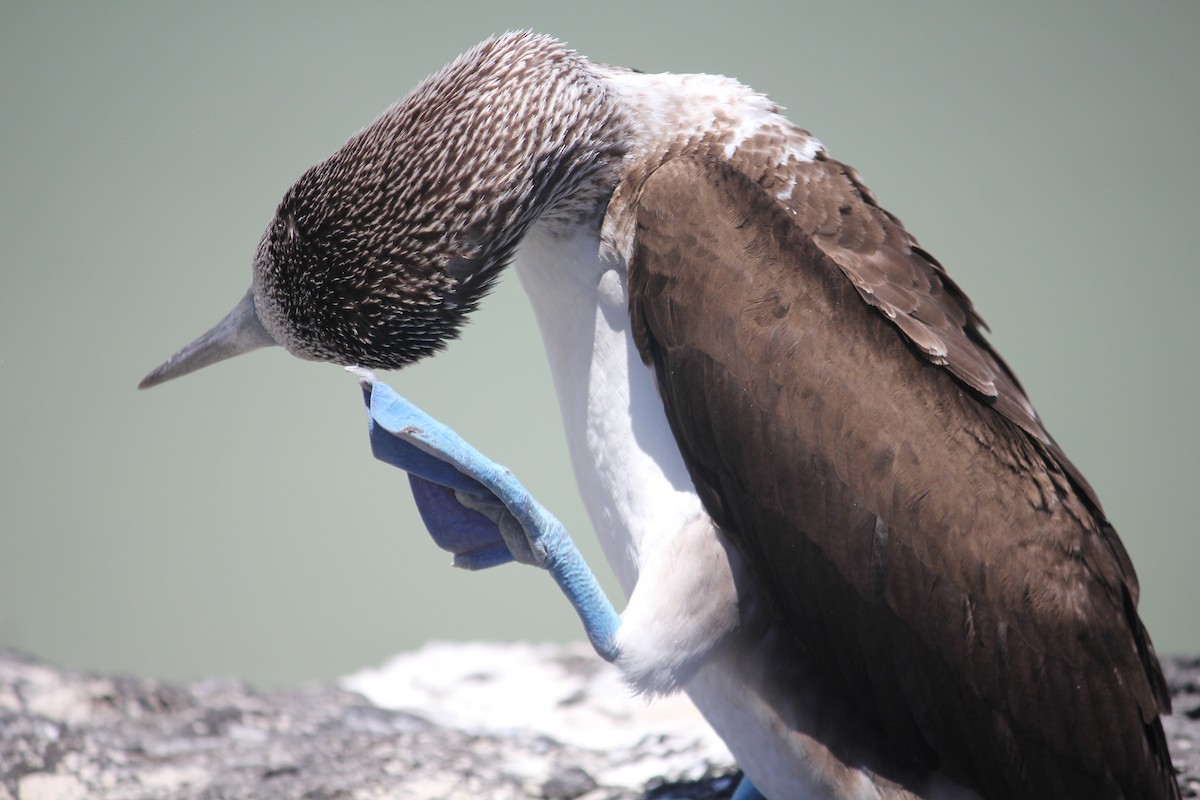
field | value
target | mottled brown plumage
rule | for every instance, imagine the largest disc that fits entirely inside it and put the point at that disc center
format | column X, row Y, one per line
column 933, row 550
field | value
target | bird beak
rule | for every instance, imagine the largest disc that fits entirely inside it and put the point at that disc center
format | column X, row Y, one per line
column 240, row 332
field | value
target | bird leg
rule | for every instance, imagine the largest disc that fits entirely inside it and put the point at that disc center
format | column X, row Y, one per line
column 477, row 510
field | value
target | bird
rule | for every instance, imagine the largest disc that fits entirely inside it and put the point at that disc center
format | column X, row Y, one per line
column 840, row 525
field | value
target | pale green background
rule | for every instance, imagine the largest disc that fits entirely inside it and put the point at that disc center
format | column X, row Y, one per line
column 234, row 522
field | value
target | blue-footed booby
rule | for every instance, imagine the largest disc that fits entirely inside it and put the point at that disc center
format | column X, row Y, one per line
column 840, row 525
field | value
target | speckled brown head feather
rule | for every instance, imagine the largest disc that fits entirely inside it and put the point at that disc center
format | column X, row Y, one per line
column 377, row 253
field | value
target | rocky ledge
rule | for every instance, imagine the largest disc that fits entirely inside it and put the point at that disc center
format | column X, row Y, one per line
column 448, row 721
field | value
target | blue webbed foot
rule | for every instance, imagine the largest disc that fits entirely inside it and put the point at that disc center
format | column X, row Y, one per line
column 477, row 510
column 747, row 791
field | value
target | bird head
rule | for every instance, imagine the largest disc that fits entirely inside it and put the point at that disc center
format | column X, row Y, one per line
column 377, row 254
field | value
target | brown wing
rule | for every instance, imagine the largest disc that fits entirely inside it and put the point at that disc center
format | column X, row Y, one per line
column 926, row 546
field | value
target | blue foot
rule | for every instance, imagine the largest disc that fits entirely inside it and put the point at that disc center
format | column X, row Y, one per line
column 747, row 791
column 477, row 510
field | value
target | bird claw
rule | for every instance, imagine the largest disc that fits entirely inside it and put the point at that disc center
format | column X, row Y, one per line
column 473, row 538
column 522, row 545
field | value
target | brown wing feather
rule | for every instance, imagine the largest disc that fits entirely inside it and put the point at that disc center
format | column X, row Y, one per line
column 930, row 554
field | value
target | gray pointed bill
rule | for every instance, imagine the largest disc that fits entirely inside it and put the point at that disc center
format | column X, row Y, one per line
column 240, row 332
